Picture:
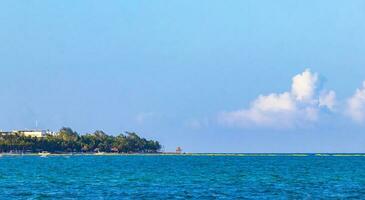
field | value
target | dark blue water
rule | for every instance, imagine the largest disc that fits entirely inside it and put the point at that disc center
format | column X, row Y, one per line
column 181, row 177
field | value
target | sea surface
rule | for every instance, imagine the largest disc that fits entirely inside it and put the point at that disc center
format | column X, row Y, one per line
column 182, row 177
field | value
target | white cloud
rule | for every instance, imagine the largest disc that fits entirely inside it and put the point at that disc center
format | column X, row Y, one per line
column 304, row 85
column 356, row 105
column 310, row 113
column 266, row 110
column 274, row 103
column 328, row 99
column 301, row 105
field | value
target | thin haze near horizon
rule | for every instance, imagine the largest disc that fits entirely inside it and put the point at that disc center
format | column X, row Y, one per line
column 209, row 76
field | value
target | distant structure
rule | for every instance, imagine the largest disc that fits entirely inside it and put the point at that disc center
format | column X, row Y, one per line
column 32, row 133
column 3, row 133
column 178, row 150
column 29, row 133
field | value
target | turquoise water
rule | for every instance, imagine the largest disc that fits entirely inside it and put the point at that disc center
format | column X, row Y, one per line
column 181, row 177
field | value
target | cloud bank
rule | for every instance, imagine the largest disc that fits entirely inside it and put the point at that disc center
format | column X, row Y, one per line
column 356, row 105
column 303, row 104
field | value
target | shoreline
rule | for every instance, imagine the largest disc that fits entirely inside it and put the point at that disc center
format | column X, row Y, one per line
column 196, row 154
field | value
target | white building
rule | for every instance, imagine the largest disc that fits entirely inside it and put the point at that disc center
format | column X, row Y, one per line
column 53, row 133
column 32, row 133
column 3, row 133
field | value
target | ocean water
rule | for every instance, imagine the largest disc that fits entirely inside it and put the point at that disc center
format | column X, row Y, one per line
column 181, row 177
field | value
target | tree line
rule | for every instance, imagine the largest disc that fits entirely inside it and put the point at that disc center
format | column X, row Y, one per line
column 67, row 140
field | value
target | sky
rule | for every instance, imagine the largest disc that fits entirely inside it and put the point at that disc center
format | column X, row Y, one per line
column 209, row 76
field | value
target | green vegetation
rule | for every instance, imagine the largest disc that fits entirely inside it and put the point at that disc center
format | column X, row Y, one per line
column 69, row 141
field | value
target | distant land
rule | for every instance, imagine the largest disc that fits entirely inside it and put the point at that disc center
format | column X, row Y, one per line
column 68, row 141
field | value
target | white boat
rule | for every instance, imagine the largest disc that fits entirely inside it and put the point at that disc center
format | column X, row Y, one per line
column 99, row 153
column 44, row 154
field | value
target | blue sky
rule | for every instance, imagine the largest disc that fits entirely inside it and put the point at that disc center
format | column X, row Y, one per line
column 171, row 69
